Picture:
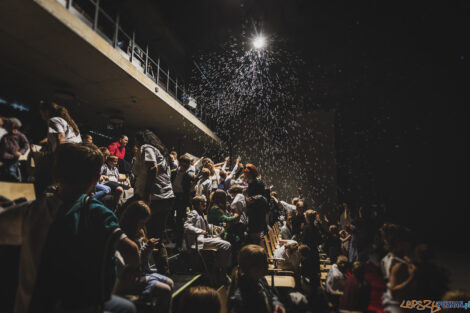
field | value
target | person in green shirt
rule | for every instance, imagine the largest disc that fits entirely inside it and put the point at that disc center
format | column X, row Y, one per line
column 218, row 209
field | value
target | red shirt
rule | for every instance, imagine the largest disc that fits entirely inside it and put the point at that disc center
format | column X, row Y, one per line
column 116, row 149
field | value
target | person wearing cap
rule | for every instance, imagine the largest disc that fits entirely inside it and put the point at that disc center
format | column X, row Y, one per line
column 12, row 146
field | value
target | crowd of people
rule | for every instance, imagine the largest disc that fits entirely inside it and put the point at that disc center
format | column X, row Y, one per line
column 98, row 231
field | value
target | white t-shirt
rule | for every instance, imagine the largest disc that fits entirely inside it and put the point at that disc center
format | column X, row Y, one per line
column 162, row 188
column 203, row 187
column 58, row 125
column 290, row 208
column 335, row 280
column 238, row 206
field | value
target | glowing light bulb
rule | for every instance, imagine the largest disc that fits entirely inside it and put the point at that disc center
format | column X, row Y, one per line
column 259, row 42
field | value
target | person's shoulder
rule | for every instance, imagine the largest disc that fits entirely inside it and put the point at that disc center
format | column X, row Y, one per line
column 57, row 120
column 98, row 207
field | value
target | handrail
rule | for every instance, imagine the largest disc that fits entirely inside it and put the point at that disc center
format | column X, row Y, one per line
column 139, row 57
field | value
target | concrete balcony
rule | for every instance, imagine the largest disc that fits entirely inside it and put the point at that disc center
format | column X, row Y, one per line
column 46, row 47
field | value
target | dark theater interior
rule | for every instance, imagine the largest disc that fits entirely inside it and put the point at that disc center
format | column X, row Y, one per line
column 233, row 156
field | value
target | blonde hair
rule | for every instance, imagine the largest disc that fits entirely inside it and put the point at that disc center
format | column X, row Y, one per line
column 200, row 299
column 310, row 216
column 249, row 256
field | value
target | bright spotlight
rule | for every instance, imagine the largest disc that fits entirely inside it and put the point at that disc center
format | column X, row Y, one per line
column 259, row 42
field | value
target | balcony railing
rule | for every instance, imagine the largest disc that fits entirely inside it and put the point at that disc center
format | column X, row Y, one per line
column 90, row 12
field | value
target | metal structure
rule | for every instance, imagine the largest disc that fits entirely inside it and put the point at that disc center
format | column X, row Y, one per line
column 90, row 12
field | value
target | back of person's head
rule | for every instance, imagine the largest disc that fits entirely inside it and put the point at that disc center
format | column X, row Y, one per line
column 148, row 137
column 251, row 256
column 197, row 201
column 295, row 200
column 235, row 190
column 200, row 299
column 358, row 270
column 222, row 174
column 310, row 216
column 77, row 164
column 12, row 123
column 219, row 197
column 55, row 110
column 205, row 173
column 299, row 205
column 456, row 295
column 305, row 251
column 333, row 229
column 104, row 151
column 341, row 259
column 133, row 218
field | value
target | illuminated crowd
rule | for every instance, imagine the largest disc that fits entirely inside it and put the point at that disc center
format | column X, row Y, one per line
column 97, row 238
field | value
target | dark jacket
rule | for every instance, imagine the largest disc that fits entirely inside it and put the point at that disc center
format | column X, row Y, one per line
column 247, row 299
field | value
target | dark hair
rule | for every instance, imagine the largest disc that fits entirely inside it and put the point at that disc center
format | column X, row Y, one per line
column 77, row 164
column 195, row 201
column 205, row 172
column 122, row 136
column 56, row 110
column 219, row 197
column 236, row 189
column 136, row 211
column 305, row 250
column 359, row 271
column 148, row 137
column 248, row 257
column 200, row 299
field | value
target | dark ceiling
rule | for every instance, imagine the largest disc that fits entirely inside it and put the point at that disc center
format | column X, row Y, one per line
column 394, row 71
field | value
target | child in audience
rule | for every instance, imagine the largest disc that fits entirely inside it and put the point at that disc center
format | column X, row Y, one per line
column 12, row 146
column 68, row 241
column 110, row 177
column 132, row 222
column 249, row 291
column 218, row 209
column 198, row 232
column 200, row 299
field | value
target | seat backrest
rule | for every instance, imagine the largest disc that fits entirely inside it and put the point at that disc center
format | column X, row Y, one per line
column 223, row 295
column 272, row 240
column 268, row 247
